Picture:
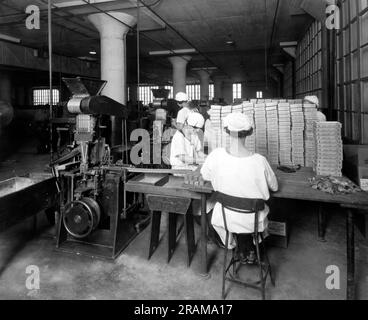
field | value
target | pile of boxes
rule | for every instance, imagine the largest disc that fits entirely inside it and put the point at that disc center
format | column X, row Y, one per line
column 310, row 116
column 272, row 133
column 328, row 142
column 297, row 134
column 284, row 133
column 261, row 128
column 250, row 142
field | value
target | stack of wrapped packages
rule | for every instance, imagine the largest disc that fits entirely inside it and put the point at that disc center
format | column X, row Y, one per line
column 215, row 117
column 284, row 133
column 261, row 128
column 250, row 142
column 328, row 143
column 297, row 134
column 272, row 133
column 237, row 108
column 225, row 139
column 310, row 116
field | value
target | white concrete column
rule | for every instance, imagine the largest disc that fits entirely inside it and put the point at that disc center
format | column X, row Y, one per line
column 205, row 81
column 5, row 87
column 217, row 87
column 179, row 73
column 113, row 58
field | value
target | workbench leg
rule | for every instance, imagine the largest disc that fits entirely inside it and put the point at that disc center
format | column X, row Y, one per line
column 204, row 272
column 321, row 224
column 172, row 235
column 155, row 232
column 189, row 236
column 350, row 287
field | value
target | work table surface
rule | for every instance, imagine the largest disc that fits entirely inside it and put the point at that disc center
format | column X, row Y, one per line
column 291, row 185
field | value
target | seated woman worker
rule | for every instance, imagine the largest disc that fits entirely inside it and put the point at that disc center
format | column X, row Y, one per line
column 187, row 144
column 238, row 172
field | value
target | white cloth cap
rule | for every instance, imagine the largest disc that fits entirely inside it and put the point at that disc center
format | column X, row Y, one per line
column 195, row 119
column 312, row 99
column 237, row 122
column 181, row 96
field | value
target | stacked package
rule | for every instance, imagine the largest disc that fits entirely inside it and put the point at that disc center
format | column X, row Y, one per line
column 237, row 108
column 328, row 160
column 284, row 133
column 310, row 116
column 261, row 128
column 297, row 134
column 225, row 139
column 250, row 141
column 215, row 116
column 272, row 133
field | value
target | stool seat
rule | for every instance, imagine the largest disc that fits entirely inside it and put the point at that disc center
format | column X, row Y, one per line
column 173, row 206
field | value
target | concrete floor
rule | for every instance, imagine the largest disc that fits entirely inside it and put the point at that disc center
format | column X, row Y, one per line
column 300, row 269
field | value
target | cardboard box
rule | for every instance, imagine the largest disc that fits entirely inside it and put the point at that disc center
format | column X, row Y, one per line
column 356, row 154
column 355, row 165
column 277, row 228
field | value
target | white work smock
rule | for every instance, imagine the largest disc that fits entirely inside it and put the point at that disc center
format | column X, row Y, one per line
column 244, row 177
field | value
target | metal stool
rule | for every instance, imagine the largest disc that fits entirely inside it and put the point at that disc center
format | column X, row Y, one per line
column 244, row 206
column 173, row 206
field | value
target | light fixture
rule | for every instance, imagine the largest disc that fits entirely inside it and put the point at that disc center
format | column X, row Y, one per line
column 9, row 38
column 93, row 52
column 205, row 68
column 167, row 52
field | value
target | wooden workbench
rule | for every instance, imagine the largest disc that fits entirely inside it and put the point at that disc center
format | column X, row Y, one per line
column 291, row 186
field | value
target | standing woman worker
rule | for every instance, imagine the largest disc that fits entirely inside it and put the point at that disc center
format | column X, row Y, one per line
column 238, row 172
column 186, row 108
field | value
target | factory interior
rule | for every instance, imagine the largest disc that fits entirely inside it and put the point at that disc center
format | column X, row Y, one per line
column 92, row 206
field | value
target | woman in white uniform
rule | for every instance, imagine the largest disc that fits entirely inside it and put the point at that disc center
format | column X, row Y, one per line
column 315, row 100
column 187, row 144
column 186, row 108
column 240, row 173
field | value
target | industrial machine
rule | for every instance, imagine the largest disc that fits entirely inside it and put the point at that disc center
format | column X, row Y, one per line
column 161, row 103
column 97, row 216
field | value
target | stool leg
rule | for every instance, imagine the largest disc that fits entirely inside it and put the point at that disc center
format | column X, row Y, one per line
column 155, row 232
column 268, row 262
column 225, row 266
column 189, row 236
column 259, row 262
column 172, row 235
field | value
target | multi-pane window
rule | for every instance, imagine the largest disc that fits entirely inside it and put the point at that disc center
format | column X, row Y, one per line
column 193, row 91
column 308, row 63
column 351, row 107
column 42, row 96
column 211, row 92
column 236, row 91
column 145, row 94
column 259, row 95
column 171, row 94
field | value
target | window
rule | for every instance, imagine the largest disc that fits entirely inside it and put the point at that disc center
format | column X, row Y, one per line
column 171, row 94
column 211, row 92
column 236, row 91
column 193, row 91
column 259, row 95
column 145, row 94
column 41, row 96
